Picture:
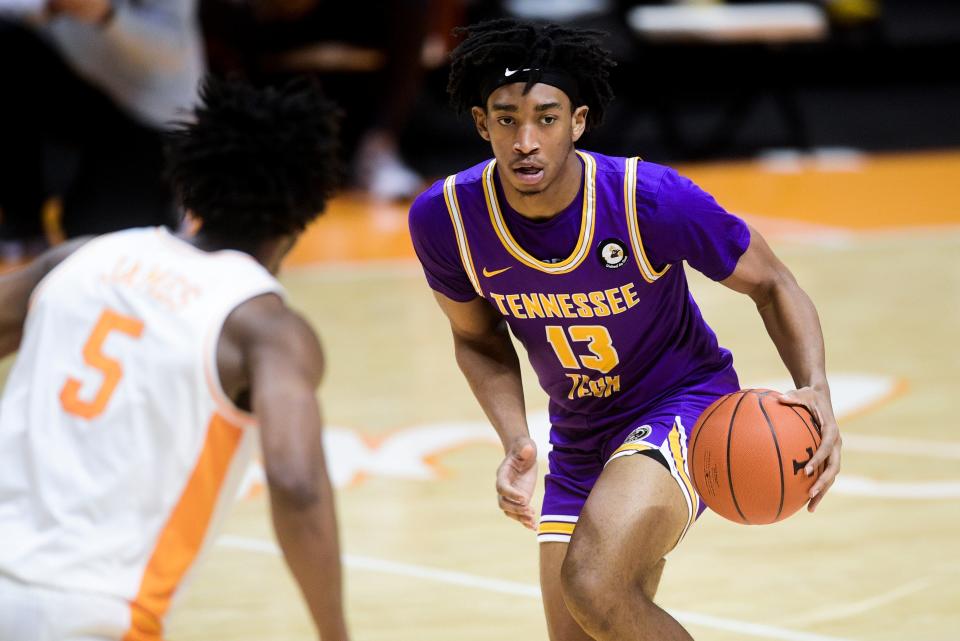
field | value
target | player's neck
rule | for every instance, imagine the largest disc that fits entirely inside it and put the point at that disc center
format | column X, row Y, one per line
column 268, row 253
column 554, row 198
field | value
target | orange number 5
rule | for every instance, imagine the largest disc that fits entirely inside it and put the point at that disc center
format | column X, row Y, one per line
column 110, row 321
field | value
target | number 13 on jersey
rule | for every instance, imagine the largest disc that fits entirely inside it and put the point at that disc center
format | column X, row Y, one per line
column 109, row 322
column 603, row 358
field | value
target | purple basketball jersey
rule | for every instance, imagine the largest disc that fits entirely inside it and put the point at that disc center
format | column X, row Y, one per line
column 609, row 326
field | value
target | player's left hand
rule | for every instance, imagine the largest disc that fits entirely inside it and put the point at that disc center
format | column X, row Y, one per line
column 817, row 401
column 516, row 478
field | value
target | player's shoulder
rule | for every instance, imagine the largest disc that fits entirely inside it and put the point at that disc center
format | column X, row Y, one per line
column 651, row 177
column 606, row 164
column 130, row 236
column 267, row 318
column 266, row 330
column 428, row 215
column 428, row 202
column 134, row 241
column 472, row 175
column 430, row 207
column 658, row 183
column 649, row 174
column 79, row 255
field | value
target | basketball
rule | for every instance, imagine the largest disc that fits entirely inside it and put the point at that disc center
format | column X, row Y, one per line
column 747, row 454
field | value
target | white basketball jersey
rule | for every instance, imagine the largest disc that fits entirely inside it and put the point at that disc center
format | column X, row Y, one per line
column 118, row 448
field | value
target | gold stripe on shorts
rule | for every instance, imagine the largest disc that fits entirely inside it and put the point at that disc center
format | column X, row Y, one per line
column 631, row 448
column 556, row 528
column 677, row 451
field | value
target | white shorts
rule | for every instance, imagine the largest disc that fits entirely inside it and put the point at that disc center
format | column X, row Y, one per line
column 33, row 613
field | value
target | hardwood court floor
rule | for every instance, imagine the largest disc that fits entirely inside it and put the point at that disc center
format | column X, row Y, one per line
column 874, row 241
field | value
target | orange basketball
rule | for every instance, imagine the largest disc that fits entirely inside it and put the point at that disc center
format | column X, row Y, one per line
column 747, row 453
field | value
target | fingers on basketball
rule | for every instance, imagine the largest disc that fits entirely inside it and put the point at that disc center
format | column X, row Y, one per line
column 748, row 453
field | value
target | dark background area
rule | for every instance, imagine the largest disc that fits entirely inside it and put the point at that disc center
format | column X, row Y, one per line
column 889, row 84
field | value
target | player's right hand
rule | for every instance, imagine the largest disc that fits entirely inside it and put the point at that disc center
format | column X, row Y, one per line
column 516, row 478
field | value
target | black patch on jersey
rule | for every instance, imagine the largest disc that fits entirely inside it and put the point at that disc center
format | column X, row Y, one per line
column 639, row 434
column 612, row 253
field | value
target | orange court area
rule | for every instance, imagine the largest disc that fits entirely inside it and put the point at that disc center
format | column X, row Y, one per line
column 780, row 195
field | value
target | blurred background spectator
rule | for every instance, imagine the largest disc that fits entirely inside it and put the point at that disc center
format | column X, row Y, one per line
column 368, row 56
column 88, row 86
column 705, row 79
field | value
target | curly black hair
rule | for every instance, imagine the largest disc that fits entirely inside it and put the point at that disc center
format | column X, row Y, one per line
column 256, row 163
column 496, row 44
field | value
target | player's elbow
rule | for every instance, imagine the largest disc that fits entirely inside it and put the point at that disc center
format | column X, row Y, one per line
column 484, row 338
column 10, row 341
column 772, row 287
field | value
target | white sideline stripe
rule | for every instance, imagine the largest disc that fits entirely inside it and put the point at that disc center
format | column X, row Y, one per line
column 846, row 610
column 522, row 589
column 901, row 446
column 392, row 567
column 922, row 490
column 748, row 629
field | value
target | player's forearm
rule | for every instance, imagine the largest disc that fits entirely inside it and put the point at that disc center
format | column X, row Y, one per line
column 307, row 532
column 14, row 297
column 794, row 326
column 492, row 369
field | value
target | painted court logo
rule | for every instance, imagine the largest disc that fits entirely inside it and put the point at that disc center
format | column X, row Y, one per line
column 612, row 253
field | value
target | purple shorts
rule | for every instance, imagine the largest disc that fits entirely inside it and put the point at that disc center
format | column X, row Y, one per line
column 579, row 456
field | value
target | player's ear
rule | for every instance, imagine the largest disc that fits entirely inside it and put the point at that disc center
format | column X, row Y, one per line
column 579, row 121
column 480, row 120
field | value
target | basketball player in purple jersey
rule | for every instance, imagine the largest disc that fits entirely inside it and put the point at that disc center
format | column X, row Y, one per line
column 581, row 256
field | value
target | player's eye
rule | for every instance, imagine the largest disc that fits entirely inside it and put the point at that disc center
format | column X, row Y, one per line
column 549, row 120
column 506, row 121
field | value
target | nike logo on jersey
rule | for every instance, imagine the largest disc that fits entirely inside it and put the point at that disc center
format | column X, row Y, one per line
column 491, row 274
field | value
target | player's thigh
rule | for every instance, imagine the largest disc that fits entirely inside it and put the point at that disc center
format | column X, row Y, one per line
column 634, row 516
column 560, row 624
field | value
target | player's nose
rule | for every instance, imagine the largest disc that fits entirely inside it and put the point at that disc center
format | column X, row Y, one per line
column 526, row 142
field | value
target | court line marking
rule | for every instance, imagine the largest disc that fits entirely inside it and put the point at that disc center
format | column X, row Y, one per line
column 515, row 588
column 901, row 446
column 846, row 610
column 852, row 485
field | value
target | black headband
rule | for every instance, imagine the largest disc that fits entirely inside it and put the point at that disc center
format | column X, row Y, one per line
column 558, row 78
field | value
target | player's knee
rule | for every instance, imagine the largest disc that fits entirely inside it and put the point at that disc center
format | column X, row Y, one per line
column 586, row 586
column 595, row 590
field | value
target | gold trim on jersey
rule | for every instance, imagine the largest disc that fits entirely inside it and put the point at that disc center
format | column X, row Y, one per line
column 588, row 219
column 453, row 208
column 630, row 200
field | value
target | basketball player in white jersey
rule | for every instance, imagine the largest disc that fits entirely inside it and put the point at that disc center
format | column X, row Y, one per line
column 149, row 366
